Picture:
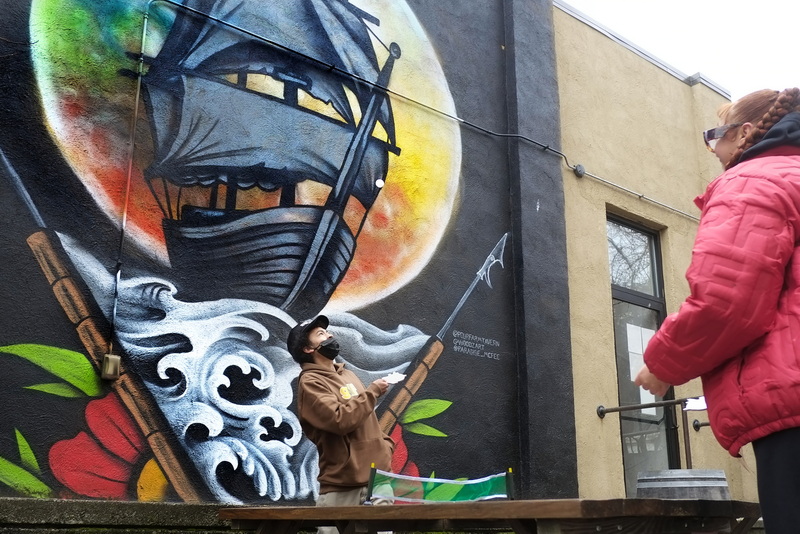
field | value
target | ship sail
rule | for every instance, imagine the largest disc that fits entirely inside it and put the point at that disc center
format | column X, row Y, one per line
column 228, row 108
column 210, row 127
column 222, row 146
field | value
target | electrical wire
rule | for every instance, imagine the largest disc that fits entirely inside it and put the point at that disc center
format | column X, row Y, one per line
column 577, row 169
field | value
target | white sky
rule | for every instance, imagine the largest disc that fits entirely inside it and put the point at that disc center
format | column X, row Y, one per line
column 740, row 45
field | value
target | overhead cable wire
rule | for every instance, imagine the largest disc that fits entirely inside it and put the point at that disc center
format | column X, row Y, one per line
column 577, row 169
column 580, row 172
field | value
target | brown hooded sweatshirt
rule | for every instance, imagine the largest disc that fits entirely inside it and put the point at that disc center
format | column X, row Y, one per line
column 338, row 414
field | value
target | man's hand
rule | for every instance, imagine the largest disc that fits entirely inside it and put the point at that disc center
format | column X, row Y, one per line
column 650, row 382
column 382, row 384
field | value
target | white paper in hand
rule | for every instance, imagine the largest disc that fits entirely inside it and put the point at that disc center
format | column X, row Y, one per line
column 394, row 378
column 696, row 404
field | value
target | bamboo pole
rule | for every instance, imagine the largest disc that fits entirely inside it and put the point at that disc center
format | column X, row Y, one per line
column 401, row 395
column 48, row 252
column 426, row 358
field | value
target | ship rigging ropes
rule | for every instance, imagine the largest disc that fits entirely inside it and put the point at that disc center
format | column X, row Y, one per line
column 577, row 169
column 393, row 50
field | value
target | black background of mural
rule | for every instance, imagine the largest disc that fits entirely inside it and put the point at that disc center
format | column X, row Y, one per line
column 483, row 422
column 30, row 313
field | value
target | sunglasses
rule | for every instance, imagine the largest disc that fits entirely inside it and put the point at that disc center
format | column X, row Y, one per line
column 710, row 137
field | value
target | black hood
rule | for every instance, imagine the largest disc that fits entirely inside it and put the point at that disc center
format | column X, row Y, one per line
column 785, row 132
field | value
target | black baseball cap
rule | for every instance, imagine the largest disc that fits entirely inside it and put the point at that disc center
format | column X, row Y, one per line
column 298, row 336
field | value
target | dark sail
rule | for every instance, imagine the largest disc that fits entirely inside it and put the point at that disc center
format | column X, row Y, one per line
column 227, row 108
column 211, row 143
column 208, row 123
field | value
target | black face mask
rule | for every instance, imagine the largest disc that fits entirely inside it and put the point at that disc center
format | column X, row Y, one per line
column 329, row 348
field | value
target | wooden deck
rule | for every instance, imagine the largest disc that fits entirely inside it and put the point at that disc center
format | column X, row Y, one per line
column 549, row 516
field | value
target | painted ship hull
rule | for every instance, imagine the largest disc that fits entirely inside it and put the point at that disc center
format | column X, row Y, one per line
column 290, row 257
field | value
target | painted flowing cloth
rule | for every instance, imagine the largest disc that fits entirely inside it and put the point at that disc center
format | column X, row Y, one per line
column 408, row 489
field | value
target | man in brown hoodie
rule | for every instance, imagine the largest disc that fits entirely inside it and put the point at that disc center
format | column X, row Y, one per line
column 337, row 413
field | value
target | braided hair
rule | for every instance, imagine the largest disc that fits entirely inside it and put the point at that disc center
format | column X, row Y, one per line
column 763, row 109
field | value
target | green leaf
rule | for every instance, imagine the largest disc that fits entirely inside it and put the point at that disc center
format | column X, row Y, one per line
column 424, row 409
column 60, row 389
column 70, row 366
column 424, row 430
column 22, row 481
column 26, row 456
column 429, row 485
column 444, row 492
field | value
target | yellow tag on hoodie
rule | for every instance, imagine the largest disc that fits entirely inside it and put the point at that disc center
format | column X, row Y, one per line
column 348, row 391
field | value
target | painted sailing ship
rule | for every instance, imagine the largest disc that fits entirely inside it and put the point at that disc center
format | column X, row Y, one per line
column 232, row 112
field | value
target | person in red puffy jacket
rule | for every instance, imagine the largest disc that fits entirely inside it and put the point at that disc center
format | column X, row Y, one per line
column 739, row 329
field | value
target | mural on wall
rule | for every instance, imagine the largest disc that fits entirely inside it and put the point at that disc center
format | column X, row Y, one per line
column 247, row 168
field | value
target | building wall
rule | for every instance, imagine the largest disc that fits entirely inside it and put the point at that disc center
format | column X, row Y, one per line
column 636, row 123
column 462, row 252
column 482, row 244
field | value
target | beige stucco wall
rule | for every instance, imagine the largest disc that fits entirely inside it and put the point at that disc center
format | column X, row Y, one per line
column 631, row 122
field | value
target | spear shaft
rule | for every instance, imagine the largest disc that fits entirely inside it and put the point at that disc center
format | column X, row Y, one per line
column 400, row 396
column 496, row 256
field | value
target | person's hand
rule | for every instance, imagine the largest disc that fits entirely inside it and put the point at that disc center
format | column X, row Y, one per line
column 382, row 384
column 650, row 382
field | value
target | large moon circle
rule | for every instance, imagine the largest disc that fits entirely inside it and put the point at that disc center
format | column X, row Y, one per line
column 79, row 50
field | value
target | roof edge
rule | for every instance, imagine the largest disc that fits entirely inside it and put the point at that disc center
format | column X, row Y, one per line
column 692, row 80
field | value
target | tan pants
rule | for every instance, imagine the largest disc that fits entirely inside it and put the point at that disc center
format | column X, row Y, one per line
column 353, row 497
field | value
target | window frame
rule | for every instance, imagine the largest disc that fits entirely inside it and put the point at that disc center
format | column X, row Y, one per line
column 658, row 304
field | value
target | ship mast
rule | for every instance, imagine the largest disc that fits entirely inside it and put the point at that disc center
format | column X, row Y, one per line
column 355, row 152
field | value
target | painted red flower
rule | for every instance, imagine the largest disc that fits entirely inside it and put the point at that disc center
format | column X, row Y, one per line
column 401, row 464
column 100, row 463
column 400, row 461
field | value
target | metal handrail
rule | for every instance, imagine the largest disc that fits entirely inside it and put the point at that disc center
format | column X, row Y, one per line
column 602, row 411
column 697, row 425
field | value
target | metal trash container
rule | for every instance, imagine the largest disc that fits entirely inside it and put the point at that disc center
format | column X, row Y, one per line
column 709, row 484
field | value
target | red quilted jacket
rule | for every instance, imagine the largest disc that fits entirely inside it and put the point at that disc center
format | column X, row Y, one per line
column 740, row 327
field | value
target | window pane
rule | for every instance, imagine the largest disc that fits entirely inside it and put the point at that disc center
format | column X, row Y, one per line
column 644, row 431
column 631, row 258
